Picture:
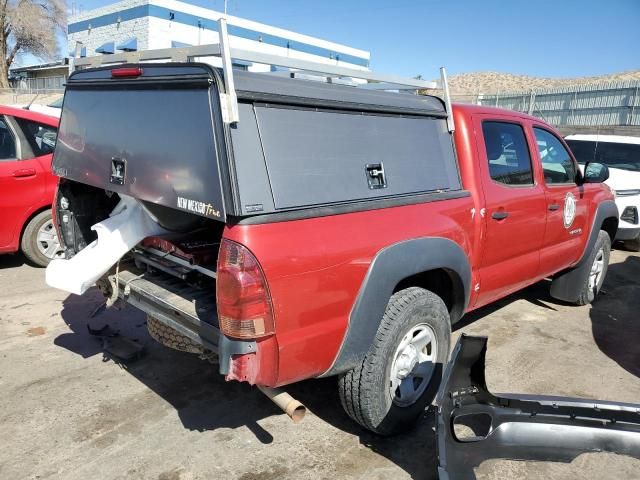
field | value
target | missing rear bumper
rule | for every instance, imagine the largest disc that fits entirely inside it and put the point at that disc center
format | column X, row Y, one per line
column 191, row 312
column 474, row 425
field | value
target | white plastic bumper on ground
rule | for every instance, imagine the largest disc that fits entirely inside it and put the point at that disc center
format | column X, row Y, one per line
column 127, row 225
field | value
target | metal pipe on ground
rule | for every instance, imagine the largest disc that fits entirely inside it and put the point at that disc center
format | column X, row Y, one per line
column 289, row 405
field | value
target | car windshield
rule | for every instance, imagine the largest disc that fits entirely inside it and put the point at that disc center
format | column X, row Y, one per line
column 625, row 156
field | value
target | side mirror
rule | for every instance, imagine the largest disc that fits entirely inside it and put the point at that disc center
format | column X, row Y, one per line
column 596, row 173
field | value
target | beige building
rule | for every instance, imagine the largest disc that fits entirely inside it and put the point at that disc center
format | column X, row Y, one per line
column 47, row 76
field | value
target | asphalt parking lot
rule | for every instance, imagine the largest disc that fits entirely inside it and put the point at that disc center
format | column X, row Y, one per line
column 68, row 412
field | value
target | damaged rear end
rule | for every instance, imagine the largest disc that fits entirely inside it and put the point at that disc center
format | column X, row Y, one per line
column 142, row 203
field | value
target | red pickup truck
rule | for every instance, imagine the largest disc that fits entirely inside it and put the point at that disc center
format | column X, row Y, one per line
column 332, row 230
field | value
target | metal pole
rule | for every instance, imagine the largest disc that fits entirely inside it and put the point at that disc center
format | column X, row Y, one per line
column 633, row 106
column 572, row 108
column 229, row 98
column 447, row 99
column 76, row 54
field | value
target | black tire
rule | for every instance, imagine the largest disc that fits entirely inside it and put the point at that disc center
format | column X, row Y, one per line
column 602, row 247
column 170, row 337
column 365, row 390
column 29, row 241
column 633, row 244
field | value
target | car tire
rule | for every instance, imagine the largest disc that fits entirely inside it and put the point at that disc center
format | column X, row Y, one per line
column 39, row 238
column 633, row 244
column 366, row 391
column 595, row 275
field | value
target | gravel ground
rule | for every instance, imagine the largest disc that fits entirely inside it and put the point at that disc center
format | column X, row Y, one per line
column 69, row 412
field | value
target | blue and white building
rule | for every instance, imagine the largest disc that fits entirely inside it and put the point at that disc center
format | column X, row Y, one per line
column 132, row 25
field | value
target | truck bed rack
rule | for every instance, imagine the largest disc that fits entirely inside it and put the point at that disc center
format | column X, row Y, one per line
column 332, row 73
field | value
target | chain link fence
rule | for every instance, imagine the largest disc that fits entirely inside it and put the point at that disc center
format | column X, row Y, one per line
column 610, row 104
column 40, row 83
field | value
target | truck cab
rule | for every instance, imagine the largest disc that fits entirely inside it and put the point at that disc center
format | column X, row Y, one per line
column 536, row 207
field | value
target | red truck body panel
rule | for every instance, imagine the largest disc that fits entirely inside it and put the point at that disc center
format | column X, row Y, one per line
column 315, row 267
column 27, row 186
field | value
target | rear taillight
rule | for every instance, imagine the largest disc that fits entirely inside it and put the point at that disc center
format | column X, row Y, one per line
column 244, row 302
column 126, row 72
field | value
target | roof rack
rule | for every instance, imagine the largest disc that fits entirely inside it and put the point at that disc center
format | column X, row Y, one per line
column 228, row 55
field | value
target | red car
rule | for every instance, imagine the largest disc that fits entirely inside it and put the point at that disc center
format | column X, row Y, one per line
column 27, row 186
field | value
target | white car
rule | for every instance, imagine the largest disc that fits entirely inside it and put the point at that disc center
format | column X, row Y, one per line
column 622, row 155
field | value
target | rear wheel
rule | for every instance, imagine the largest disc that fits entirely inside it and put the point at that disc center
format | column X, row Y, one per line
column 401, row 372
column 599, row 261
column 40, row 242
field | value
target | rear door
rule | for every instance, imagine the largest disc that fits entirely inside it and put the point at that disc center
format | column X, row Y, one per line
column 567, row 203
column 514, row 210
column 22, row 180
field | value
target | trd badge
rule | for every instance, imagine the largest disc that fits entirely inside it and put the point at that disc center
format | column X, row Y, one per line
column 118, row 170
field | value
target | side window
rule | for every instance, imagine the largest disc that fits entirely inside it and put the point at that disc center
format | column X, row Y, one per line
column 41, row 138
column 508, row 154
column 7, row 142
column 557, row 164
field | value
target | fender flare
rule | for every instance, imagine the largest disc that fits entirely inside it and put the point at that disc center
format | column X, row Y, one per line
column 566, row 286
column 389, row 267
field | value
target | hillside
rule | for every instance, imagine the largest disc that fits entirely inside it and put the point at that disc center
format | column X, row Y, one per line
column 492, row 82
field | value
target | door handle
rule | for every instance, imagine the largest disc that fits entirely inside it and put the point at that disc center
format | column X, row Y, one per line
column 553, row 207
column 24, row 172
column 499, row 215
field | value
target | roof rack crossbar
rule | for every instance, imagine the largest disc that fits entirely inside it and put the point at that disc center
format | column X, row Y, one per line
column 223, row 50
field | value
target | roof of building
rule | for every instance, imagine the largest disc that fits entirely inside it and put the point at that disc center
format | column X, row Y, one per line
column 41, row 66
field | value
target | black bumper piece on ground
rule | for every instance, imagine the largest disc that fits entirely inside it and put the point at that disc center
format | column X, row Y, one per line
column 520, row 427
column 627, row 233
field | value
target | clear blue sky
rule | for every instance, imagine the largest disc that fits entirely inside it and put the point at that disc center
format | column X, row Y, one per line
column 555, row 38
